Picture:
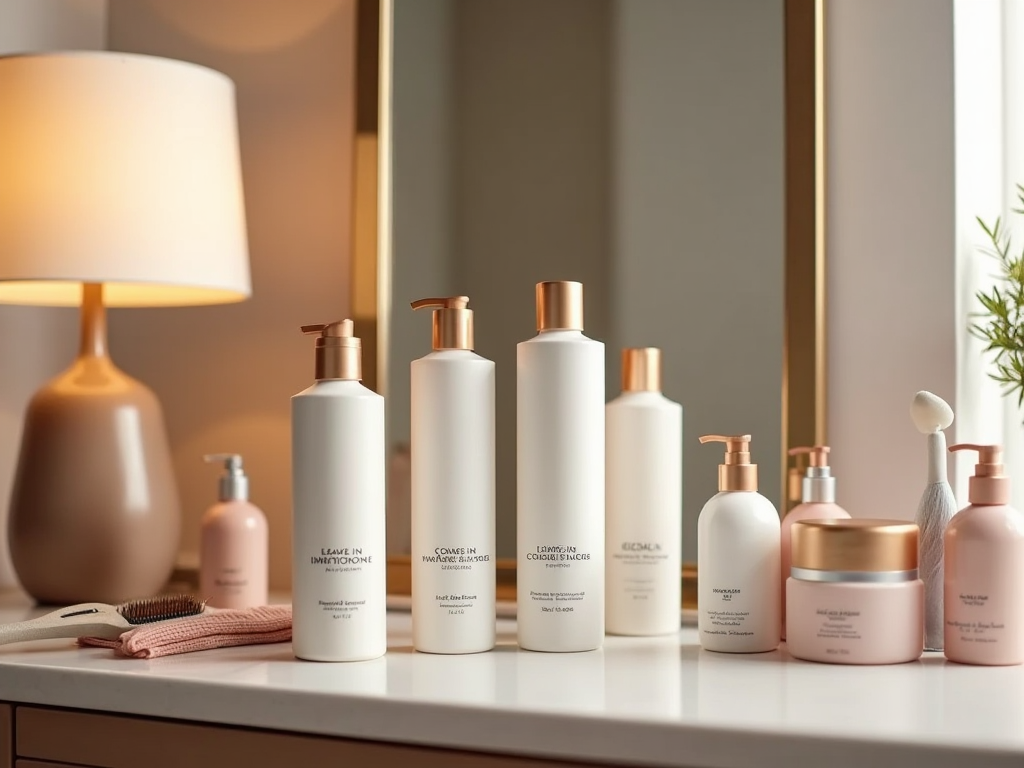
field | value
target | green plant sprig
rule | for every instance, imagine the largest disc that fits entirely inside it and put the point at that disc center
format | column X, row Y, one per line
column 1001, row 324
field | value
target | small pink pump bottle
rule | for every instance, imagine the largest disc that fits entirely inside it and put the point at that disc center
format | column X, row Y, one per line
column 818, row 502
column 233, row 548
column 984, row 577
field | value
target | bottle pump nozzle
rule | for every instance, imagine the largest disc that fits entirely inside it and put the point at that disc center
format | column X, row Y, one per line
column 452, row 322
column 338, row 352
column 233, row 484
column 817, row 485
column 988, row 485
column 737, row 473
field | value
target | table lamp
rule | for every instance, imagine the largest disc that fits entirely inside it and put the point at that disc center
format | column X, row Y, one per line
column 120, row 186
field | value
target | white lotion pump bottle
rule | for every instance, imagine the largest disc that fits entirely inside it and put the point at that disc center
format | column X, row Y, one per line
column 233, row 542
column 739, row 602
column 338, row 557
column 560, row 478
column 452, row 454
column 644, row 497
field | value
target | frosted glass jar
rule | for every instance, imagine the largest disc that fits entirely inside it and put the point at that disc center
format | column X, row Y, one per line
column 853, row 595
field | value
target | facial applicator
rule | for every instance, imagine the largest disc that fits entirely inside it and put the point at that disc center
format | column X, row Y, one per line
column 931, row 415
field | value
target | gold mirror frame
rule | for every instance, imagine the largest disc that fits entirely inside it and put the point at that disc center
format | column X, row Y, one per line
column 804, row 351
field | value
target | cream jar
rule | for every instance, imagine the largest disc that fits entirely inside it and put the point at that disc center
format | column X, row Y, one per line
column 853, row 595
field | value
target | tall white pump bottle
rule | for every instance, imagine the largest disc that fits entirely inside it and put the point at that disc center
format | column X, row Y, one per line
column 739, row 602
column 452, row 453
column 644, row 487
column 338, row 557
column 560, row 478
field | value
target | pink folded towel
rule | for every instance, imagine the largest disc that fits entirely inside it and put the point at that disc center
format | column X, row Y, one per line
column 214, row 628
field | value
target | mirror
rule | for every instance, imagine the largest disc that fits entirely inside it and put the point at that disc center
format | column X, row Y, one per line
column 662, row 152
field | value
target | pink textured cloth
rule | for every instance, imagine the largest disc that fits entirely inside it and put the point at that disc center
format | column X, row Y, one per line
column 214, row 628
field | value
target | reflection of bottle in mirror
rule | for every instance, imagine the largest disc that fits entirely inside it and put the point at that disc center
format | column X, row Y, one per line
column 643, row 496
column 452, row 432
column 984, row 569
column 338, row 556
column 738, row 559
column 818, row 502
column 233, row 543
column 560, row 478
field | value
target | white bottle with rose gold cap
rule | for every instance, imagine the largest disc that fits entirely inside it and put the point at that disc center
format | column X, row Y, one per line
column 984, row 569
column 738, row 559
column 339, row 566
column 452, row 454
column 560, row 478
column 643, row 498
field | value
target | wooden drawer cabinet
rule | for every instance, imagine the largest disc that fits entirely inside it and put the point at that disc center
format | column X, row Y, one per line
column 6, row 736
column 59, row 738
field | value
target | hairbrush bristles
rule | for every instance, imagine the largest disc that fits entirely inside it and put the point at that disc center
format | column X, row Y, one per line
column 161, row 608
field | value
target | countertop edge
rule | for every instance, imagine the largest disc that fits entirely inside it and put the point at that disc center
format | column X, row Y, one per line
column 550, row 735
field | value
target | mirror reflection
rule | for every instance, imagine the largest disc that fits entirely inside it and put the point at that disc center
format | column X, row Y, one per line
column 633, row 145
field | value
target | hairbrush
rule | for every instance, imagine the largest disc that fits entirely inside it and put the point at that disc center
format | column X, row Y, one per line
column 100, row 619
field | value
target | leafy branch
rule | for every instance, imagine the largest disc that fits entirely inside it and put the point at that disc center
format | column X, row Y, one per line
column 1000, row 325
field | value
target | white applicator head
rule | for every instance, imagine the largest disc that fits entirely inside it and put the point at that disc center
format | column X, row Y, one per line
column 930, row 413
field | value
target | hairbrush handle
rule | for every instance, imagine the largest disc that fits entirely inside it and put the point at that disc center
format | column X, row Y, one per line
column 83, row 620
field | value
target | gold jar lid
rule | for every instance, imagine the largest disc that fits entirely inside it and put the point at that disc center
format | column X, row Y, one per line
column 854, row 545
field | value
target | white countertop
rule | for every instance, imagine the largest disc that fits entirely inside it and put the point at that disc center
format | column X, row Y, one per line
column 660, row 701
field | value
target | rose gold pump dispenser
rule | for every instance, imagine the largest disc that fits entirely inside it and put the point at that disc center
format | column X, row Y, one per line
column 338, row 353
column 989, row 484
column 737, row 473
column 452, row 322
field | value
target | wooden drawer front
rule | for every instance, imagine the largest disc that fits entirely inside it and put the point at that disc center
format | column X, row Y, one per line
column 37, row 764
column 6, row 736
column 116, row 741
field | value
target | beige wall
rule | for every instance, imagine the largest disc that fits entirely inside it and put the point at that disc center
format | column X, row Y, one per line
column 891, row 242
column 36, row 343
column 225, row 374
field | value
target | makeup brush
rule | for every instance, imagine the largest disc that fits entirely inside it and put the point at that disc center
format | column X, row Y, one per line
column 931, row 415
column 100, row 619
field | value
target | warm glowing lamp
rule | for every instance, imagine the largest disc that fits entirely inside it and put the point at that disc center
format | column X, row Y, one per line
column 120, row 186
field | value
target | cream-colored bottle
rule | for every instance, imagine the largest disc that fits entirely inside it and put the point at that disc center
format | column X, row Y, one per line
column 452, row 454
column 984, row 569
column 739, row 604
column 233, row 542
column 818, row 502
column 339, row 563
column 644, row 502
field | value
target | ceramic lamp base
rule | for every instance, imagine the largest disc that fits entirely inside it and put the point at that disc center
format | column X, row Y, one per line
column 94, row 513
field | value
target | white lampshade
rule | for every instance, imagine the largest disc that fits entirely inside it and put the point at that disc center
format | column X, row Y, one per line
column 123, row 170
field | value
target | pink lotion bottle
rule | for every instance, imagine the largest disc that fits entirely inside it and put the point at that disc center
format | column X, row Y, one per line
column 984, row 569
column 818, row 502
column 233, row 543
